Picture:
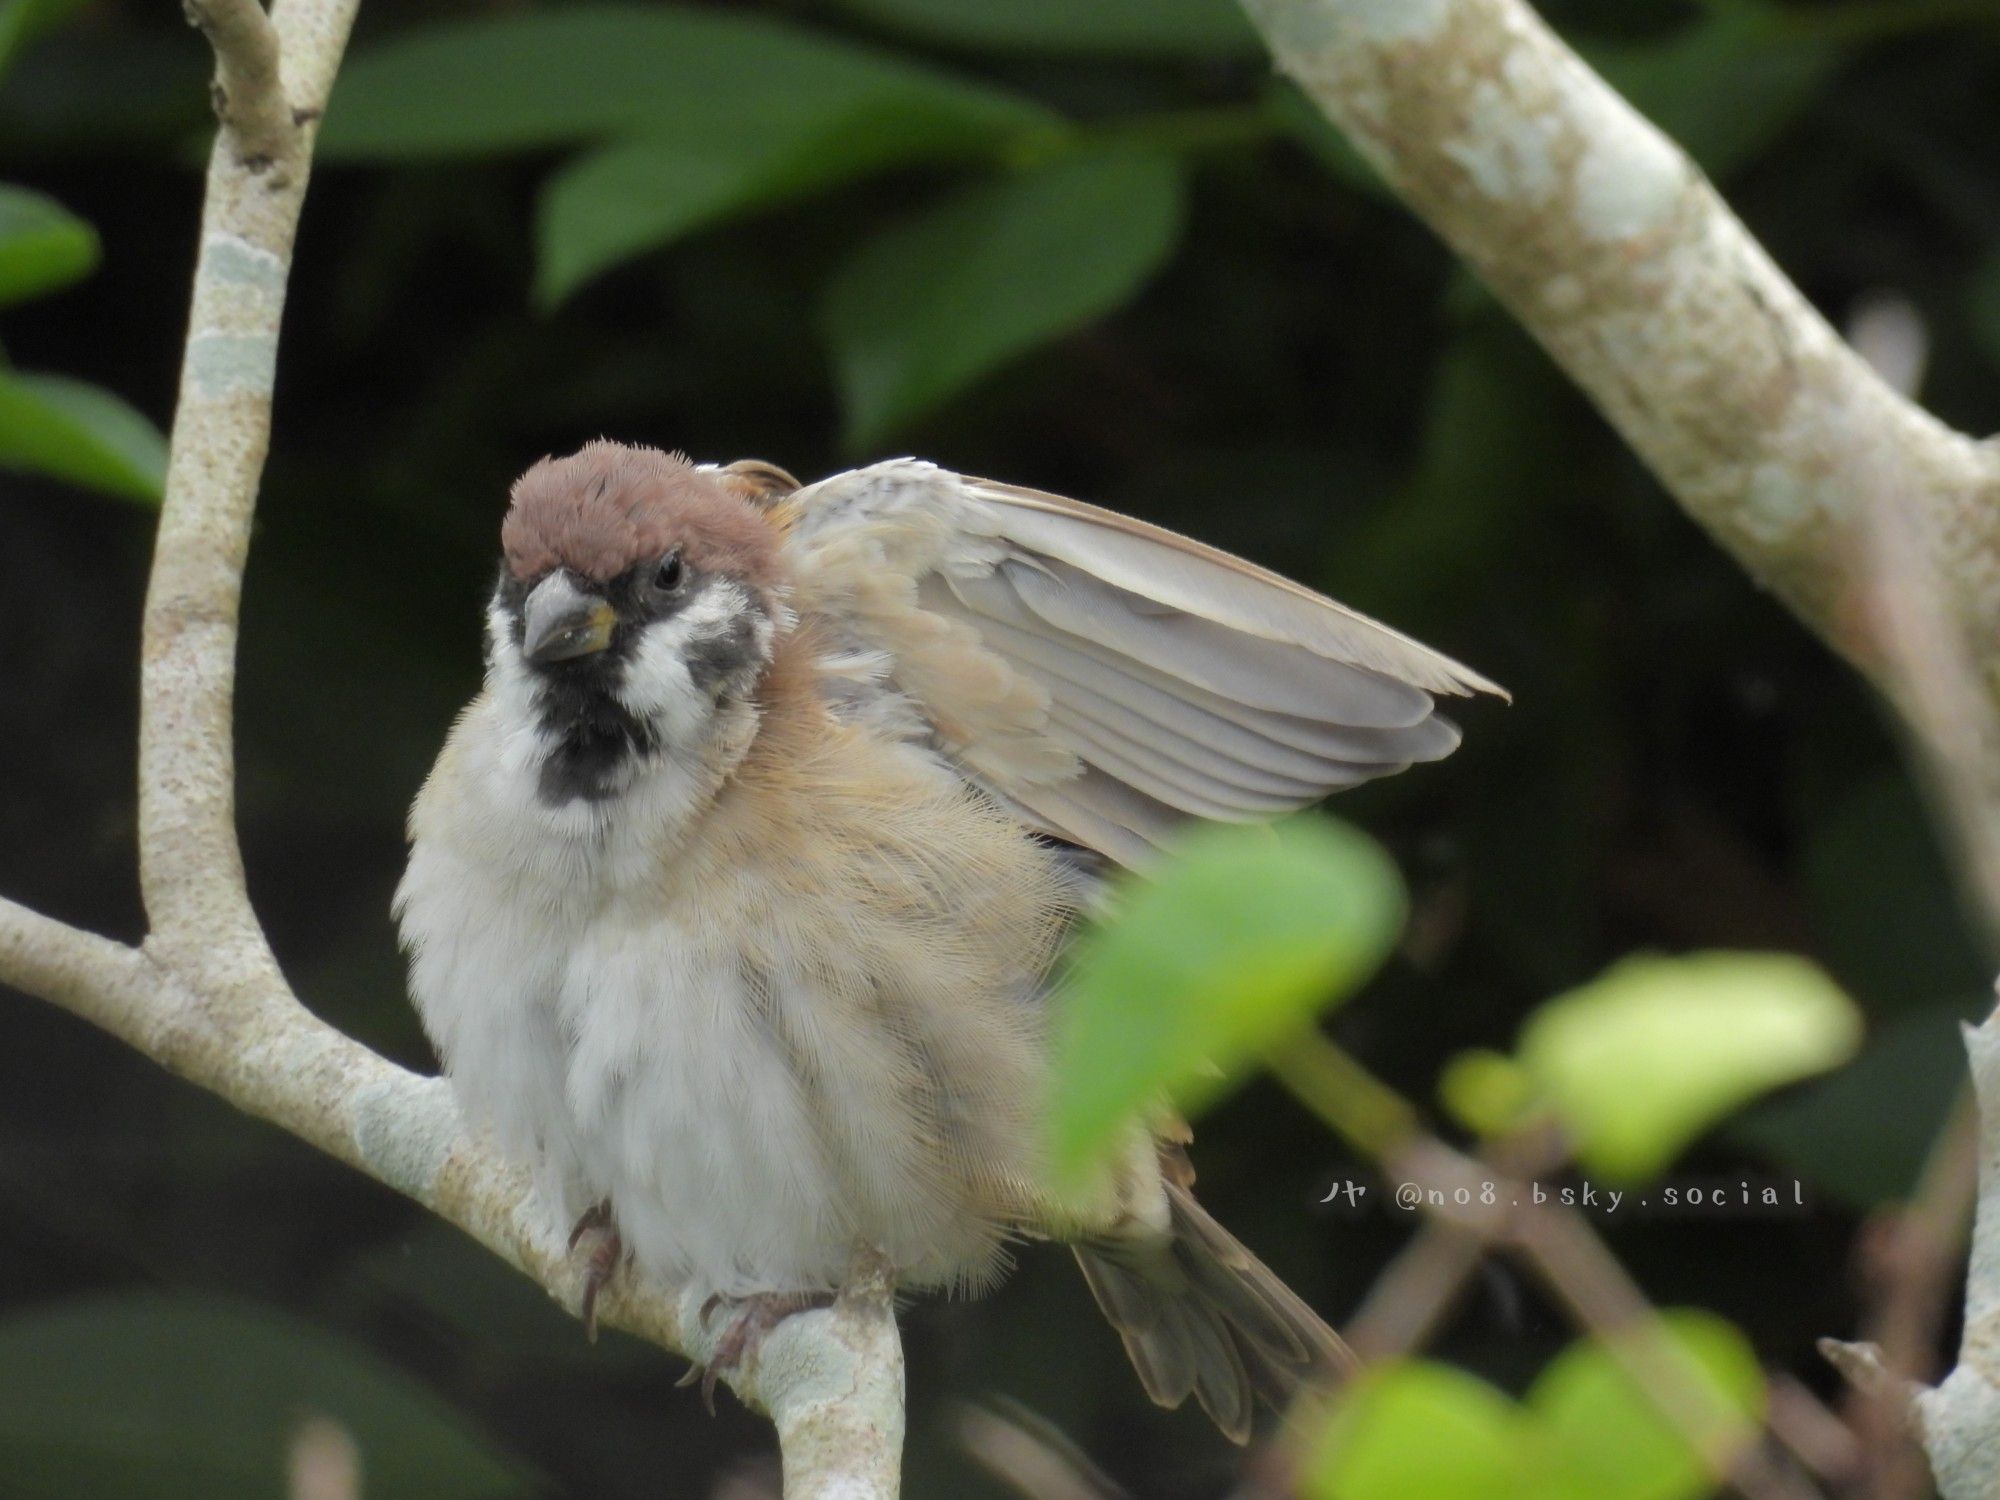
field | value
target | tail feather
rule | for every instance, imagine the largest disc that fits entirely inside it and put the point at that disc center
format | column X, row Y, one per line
column 1130, row 1299
column 1228, row 1276
column 1199, row 1314
column 1219, row 1258
column 1221, row 1383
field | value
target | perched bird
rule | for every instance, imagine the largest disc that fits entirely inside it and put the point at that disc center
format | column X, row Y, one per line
column 733, row 896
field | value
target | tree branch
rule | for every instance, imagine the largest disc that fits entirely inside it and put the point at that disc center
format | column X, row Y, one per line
column 1612, row 249
column 89, row 975
column 204, row 995
column 247, row 94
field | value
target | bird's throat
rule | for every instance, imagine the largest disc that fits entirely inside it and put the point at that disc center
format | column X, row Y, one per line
column 595, row 744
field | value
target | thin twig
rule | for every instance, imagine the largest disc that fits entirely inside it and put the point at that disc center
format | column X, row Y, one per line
column 1938, row 683
column 1911, row 1258
column 1588, row 1280
column 1029, row 1456
column 1812, row 1431
column 1410, row 1300
column 1556, row 1242
column 248, row 92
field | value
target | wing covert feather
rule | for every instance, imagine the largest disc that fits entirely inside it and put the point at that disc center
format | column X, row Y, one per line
column 1104, row 677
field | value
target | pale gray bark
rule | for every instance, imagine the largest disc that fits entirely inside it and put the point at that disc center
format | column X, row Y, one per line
column 1610, row 246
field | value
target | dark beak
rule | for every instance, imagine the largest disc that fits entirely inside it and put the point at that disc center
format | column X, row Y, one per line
column 561, row 621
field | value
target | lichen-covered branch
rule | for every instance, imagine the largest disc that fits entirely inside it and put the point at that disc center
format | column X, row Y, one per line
column 1615, row 252
column 203, row 994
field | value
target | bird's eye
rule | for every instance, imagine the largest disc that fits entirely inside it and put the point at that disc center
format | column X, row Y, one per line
column 672, row 573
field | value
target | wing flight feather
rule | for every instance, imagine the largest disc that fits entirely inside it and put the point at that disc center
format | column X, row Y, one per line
column 1105, row 677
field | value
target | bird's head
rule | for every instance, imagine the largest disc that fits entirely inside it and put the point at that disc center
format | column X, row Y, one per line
column 638, row 596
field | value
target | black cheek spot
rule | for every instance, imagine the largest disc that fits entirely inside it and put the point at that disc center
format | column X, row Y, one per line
column 510, row 595
column 720, row 659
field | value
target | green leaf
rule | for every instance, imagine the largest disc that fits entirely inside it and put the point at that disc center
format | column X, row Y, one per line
column 175, row 1397
column 1727, row 86
column 1203, row 29
column 1865, row 1131
column 1229, row 947
column 1422, row 1431
column 69, row 430
column 1646, row 1057
column 1882, row 898
column 1607, row 1440
column 933, row 302
column 634, row 196
column 542, row 78
column 618, row 203
column 22, row 21
column 1486, row 1091
column 42, row 245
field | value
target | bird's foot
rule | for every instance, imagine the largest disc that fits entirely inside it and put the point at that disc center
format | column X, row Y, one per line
column 595, row 1235
column 751, row 1320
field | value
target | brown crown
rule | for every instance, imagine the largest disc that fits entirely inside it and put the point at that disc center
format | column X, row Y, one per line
column 609, row 507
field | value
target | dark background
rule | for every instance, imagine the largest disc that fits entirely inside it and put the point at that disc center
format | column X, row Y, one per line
column 1309, row 381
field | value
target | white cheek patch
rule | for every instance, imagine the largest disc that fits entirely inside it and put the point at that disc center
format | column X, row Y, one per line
column 500, row 647
column 515, row 693
column 658, row 686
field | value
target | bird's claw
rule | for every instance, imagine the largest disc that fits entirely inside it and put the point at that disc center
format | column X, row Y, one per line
column 750, row 1321
column 604, row 1253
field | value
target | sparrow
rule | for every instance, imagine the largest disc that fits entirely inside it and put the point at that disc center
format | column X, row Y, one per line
column 734, row 897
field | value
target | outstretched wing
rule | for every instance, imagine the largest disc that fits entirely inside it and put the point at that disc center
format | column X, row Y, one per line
column 1107, row 678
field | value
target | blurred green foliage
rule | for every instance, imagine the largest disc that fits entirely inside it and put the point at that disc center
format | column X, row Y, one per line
column 173, row 1397
column 539, row 223
column 1729, row 84
column 21, row 21
column 933, row 302
column 50, row 424
column 1224, row 955
column 1109, row 28
column 1227, row 949
column 1986, row 307
column 1419, row 1430
column 1584, row 1430
column 669, row 153
column 1637, row 1063
column 42, row 245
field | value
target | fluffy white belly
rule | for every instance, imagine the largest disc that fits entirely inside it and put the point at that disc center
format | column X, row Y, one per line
column 745, row 1139
column 684, row 1112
